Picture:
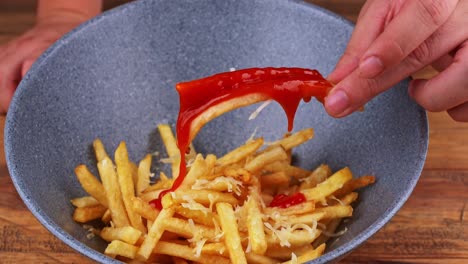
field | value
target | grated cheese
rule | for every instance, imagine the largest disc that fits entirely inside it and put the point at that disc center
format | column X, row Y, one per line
column 259, row 109
column 232, row 184
column 293, row 258
column 193, row 205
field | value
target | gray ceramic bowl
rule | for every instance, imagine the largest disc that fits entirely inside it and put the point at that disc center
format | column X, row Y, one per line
column 114, row 78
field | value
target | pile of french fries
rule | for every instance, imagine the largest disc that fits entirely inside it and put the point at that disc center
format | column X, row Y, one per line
column 220, row 213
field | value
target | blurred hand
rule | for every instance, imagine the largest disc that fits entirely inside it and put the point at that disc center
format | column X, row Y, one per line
column 54, row 19
column 394, row 39
column 17, row 56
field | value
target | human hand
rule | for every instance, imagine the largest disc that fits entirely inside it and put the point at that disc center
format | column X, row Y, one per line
column 394, row 39
column 54, row 19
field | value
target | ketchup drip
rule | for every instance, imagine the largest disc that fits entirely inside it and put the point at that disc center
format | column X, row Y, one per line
column 285, row 201
column 287, row 86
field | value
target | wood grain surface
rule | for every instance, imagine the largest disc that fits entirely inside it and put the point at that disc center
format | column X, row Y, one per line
column 432, row 227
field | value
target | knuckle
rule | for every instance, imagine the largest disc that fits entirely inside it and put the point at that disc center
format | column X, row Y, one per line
column 435, row 12
column 420, row 56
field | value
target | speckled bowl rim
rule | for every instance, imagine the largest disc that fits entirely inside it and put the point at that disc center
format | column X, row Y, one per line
column 333, row 255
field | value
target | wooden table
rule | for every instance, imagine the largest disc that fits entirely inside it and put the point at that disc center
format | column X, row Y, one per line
column 432, row 227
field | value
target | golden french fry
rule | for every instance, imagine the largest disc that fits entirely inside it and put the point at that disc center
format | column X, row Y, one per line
column 154, row 234
column 333, row 183
column 124, row 175
column 187, row 230
column 210, row 161
column 144, row 209
column 288, row 169
column 114, row 196
column 91, row 184
column 335, row 211
column 239, row 174
column 84, row 201
column 106, row 217
column 160, row 185
column 272, row 155
column 320, row 174
column 255, row 222
column 186, row 252
column 295, row 239
column 216, row 248
column 120, row 248
column 241, row 152
column 231, row 232
column 349, row 198
column 134, row 171
column 99, row 150
column 199, row 217
column 353, row 185
column 275, row 179
column 150, row 195
column 309, row 256
column 86, row 214
column 171, row 147
column 143, row 180
column 204, row 197
column 295, row 139
column 126, row 234
column 307, row 218
column 298, row 209
column 198, row 169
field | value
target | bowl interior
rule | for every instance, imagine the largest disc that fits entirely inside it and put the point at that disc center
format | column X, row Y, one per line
column 114, row 79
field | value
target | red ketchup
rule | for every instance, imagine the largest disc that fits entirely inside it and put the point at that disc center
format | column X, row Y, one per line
column 285, row 201
column 287, row 86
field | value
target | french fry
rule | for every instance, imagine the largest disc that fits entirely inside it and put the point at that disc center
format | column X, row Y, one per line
column 154, row 234
column 204, row 197
column 298, row 209
column 114, row 196
column 295, row 239
column 171, row 147
column 144, row 209
column 143, row 180
column 86, row 214
column 106, row 217
column 125, row 234
column 186, row 252
column 307, row 218
column 272, row 155
column 333, row 183
column 120, row 248
column 210, row 162
column 288, row 169
column 255, row 225
column 84, row 201
column 160, row 185
column 336, row 211
column 295, row 139
column 99, row 150
column 275, row 179
column 134, row 172
column 241, row 152
column 231, row 233
column 309, row 256
column 185, row 229
column 124, row 175
column 198, row 169
column 349, row 198
column 320, row 174
column 216, row 248
column 239, row 174
column 151, row 195
column 353, row 185
column 90, row 184
column 199, row 217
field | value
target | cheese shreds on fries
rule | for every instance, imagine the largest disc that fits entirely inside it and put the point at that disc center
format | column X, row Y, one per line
column 249, row 206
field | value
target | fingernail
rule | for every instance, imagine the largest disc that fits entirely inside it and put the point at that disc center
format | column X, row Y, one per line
column 337, row 102
column 371, row 67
